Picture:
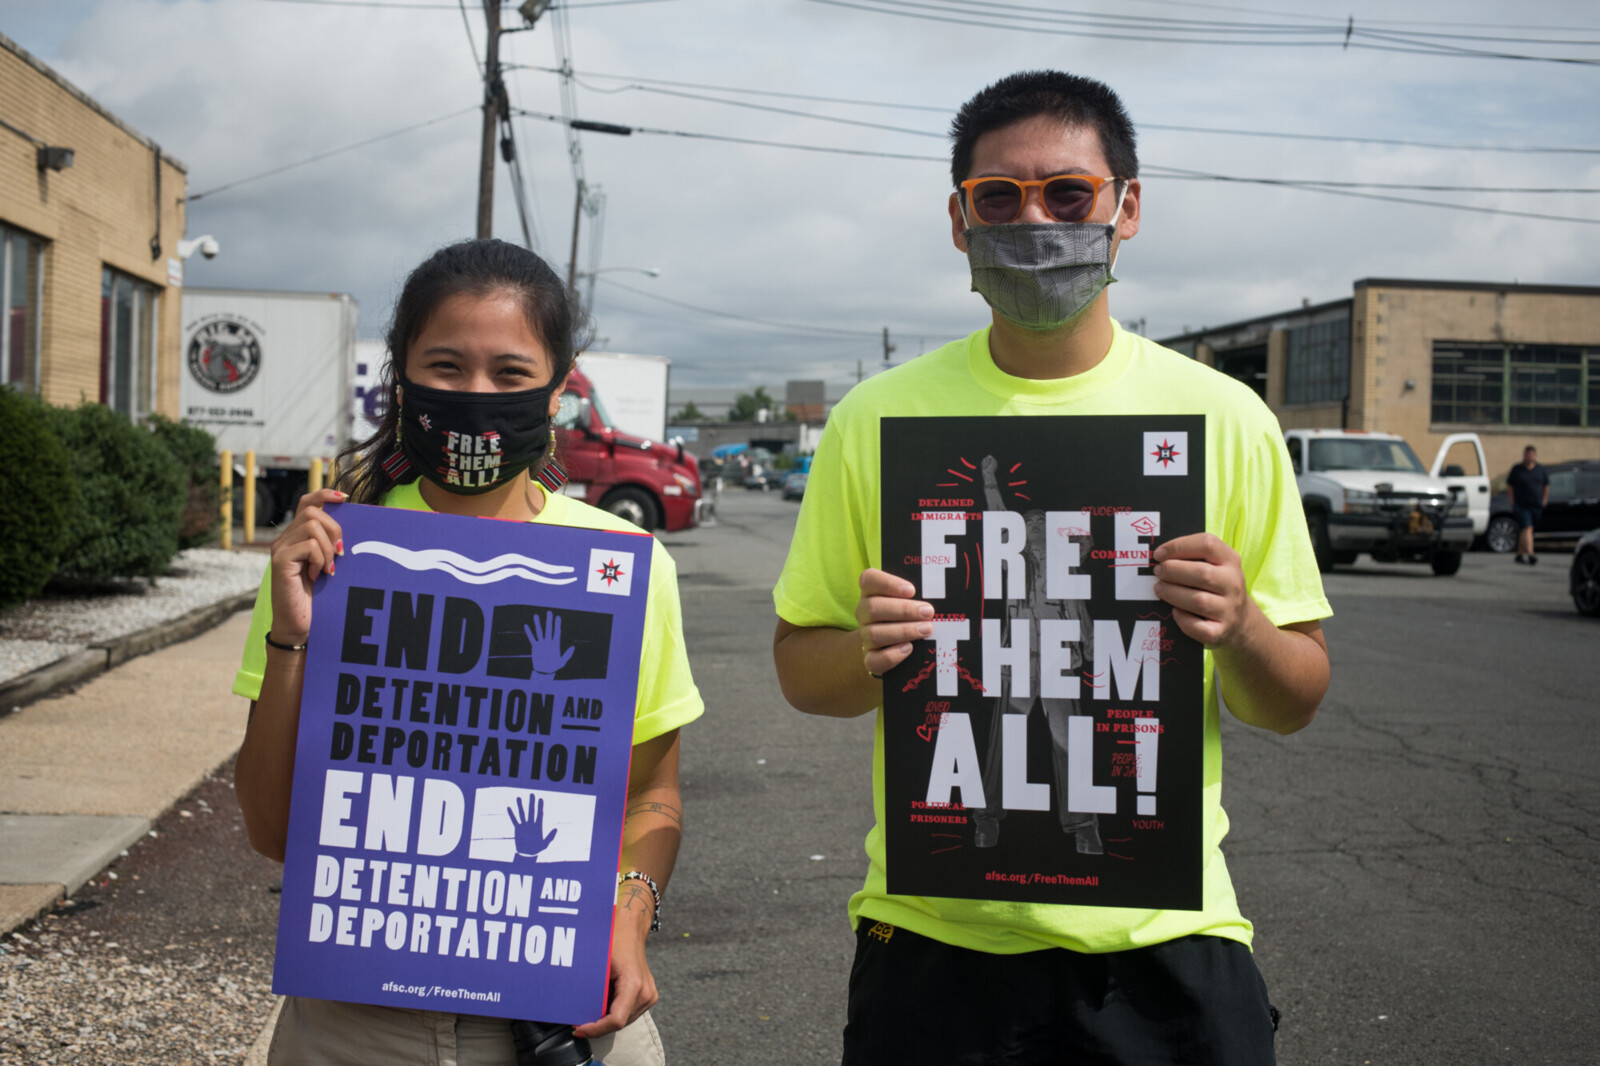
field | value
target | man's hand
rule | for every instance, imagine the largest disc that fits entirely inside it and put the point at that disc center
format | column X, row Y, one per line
column 1273, row 677
column 889, row 620
column 633, row 987
column 1200, row 577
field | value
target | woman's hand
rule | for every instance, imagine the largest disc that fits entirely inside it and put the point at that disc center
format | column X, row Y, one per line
column 633, row 987
column 889, row 619
column 303, row 552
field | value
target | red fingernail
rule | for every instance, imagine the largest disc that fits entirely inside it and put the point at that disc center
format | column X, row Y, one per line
column 339, row 548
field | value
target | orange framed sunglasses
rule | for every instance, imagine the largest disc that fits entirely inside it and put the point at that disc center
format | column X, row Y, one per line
column 1067, row 197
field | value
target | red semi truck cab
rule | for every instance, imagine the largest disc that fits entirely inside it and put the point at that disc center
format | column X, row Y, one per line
column 653, row 485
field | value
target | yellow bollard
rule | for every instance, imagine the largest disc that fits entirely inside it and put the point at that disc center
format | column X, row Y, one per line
column 314, row 476
column 250, row 497
column 226, row 459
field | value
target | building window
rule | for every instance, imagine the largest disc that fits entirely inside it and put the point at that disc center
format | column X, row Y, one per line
column 1516, row 384
column 1317, row 369
column 22, row 285
column 1248, row 365
column 127, row 343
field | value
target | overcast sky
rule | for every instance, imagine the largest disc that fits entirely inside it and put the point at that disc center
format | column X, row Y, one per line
column 236, row 87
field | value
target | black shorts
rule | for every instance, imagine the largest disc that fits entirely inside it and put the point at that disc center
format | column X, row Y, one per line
column 1191, row 1002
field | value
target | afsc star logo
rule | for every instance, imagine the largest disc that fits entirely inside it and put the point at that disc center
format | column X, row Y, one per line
column 1166, row 454
column 610, row 572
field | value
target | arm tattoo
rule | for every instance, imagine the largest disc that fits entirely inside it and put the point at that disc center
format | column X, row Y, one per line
column 663, row 809
column 635, row 898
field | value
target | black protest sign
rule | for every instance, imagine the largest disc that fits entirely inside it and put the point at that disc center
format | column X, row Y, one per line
column 1045, row 744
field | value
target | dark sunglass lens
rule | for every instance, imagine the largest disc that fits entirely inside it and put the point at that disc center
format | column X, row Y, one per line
column 1069, row 199
column 996, row 201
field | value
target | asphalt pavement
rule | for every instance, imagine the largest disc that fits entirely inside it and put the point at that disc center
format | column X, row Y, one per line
column 1420, row 862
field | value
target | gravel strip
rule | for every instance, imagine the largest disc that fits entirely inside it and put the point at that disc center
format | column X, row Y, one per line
column 163, row 959
column 57, row 624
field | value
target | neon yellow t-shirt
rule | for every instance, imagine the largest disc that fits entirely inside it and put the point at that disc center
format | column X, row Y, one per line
column 1251, row 503
column 667, row 694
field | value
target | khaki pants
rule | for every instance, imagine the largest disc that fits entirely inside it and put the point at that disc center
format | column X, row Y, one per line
column 319, row 1032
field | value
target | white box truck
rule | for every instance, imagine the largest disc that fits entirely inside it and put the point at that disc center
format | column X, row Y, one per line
column 270, row 372
column 633, row 390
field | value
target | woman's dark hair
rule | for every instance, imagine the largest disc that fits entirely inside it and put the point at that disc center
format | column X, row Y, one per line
column 1070, row 99
column 477, row 268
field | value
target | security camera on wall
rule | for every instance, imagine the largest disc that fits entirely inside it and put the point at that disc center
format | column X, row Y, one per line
column 206, row 246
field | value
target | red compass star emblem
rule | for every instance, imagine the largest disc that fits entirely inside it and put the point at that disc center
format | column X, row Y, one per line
column 1166, row 453
column 610, row 571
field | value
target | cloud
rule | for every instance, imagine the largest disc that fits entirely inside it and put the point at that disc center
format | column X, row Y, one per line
column 237, row 87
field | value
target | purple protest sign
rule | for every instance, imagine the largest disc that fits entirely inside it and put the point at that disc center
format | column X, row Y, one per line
column 466, row 727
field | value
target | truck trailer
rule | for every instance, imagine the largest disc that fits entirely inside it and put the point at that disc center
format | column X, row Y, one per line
column 270, row 372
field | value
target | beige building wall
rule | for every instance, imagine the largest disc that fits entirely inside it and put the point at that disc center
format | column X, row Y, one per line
column 1393, row 326
column 1401, row 323
column 101, row 211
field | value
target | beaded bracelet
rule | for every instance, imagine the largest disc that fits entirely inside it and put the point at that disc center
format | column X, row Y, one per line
column 635, row 875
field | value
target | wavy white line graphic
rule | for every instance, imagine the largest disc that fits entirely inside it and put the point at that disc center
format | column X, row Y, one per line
column 468, row 570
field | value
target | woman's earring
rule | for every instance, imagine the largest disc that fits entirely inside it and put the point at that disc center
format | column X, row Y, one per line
column 551, row 475
column 397, row 465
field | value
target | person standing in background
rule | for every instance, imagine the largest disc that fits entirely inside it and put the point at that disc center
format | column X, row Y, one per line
column 1528, row 486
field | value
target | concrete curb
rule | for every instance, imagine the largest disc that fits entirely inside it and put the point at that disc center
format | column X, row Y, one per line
column 99, row 657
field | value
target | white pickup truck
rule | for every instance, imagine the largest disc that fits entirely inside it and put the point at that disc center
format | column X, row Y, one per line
column 1368, row 492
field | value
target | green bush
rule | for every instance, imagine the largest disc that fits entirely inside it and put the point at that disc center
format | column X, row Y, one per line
column 40, row 497
column 133, row 494
column 196, row 450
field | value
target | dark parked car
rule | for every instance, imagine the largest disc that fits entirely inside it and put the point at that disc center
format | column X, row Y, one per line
column 1573, row 510
column 1586, row 575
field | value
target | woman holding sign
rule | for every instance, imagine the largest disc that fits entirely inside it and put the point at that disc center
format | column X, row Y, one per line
column 480, row 348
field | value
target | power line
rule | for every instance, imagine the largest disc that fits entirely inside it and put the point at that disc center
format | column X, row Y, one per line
column 1340, row 19
column 471, row 43
column 330, row 152
column 644, row 84
column 399, row 6
column 832, row 150
column 785, row 111
column 1337, row 27
column 1179, row 172
column 1388, row 141
column 522, row 188
column 1172, row 172
column 734, row 89
column 1245, row 34
column 927, row 133
column 801, row 327
column 1335, row 189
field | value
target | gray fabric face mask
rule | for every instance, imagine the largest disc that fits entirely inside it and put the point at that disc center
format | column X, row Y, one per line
column 1041, row 275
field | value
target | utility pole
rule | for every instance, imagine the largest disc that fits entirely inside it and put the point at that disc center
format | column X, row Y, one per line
column 494, row 107
column 577, row 213
column 887, row 347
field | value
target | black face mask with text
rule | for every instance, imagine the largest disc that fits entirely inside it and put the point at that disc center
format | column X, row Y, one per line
column 473, row 442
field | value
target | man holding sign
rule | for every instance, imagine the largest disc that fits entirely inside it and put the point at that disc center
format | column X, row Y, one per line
column 1046, row 190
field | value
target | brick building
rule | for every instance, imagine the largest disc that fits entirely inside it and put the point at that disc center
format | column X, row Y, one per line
column 91, row 212
column 1517, row 364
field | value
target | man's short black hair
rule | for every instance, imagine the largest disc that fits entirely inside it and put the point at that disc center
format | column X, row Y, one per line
column 1069, row 98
